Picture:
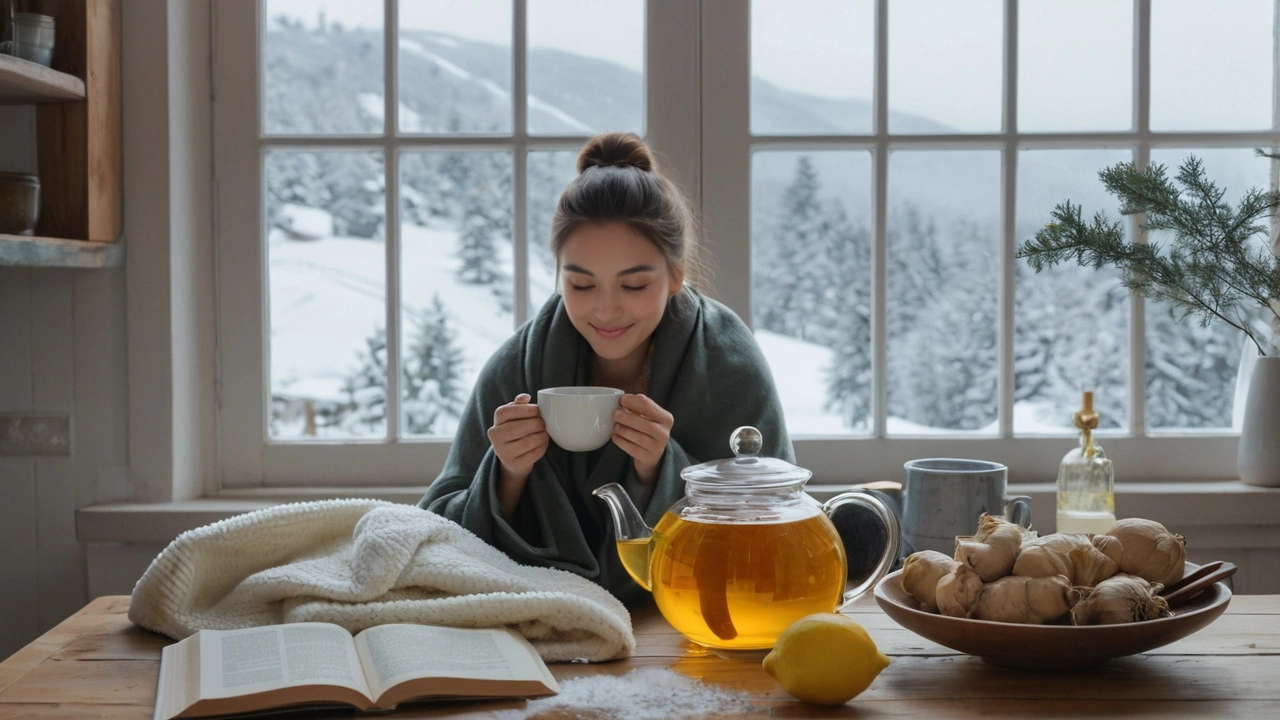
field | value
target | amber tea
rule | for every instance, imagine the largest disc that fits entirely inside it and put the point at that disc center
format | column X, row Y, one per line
column 739, row 585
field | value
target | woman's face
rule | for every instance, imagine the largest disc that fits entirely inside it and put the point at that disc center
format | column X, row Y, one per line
column 615, row 284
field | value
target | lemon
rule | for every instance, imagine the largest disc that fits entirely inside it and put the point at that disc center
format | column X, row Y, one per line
column 825, row 659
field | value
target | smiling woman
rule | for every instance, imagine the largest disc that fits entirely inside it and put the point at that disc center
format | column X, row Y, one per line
column 628, row 317
column 616, row 286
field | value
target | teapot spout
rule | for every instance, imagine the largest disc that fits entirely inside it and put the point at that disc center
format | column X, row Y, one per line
column 633, row 535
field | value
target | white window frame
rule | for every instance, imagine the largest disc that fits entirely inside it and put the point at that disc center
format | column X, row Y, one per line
column 248, row 458
column 1139, row 454
column 696, row 117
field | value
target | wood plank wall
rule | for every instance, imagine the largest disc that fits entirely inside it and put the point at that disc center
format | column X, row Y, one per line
column 62, row 351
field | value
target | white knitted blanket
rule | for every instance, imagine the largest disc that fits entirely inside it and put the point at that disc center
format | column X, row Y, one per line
column 360, row 563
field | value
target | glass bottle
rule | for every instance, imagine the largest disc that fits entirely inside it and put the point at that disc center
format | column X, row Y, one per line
column 1086, row 480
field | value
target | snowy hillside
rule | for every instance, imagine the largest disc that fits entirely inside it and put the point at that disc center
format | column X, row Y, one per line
column 327, row 260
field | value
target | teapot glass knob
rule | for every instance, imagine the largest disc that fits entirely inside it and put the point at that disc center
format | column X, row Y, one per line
column 746, row 440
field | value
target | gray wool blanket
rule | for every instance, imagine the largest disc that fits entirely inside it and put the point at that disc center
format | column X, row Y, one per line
column 707, row 370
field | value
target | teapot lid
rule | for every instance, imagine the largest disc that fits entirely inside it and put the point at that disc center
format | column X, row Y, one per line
column 746, row 468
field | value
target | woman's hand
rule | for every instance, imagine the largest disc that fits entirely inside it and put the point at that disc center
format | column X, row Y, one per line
column 641, row 428
column 519, row 439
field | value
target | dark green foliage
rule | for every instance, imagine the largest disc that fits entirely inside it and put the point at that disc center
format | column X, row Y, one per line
column 1215, row 267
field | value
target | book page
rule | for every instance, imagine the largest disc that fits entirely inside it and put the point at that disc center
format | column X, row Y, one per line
column 392, row 654
column 252, row 660
column 178, row 687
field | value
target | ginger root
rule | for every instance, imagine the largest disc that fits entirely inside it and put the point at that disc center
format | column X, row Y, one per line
column 920, row 575
column 1017, row 599
column 958, row 591
column 1150, row 551
column 1085, row 560
column 993, row 549
column 1121, row 599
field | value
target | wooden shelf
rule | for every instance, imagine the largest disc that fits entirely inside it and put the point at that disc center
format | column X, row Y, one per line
column 23, row 82
column 22, row 251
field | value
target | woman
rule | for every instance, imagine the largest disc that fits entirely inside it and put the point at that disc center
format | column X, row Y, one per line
column 626, row 316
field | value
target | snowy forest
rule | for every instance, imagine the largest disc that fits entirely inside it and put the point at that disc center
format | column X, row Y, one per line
column 811, row 245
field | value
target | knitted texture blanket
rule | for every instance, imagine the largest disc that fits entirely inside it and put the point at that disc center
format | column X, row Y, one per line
column 360, row 563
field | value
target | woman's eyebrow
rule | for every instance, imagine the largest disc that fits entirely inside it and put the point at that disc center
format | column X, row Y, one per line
column 629, row 271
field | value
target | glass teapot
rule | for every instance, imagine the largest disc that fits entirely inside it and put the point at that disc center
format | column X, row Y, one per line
column 746, row 551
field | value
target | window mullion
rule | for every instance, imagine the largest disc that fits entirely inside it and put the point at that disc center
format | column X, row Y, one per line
column 880, row 245
column 519, row 160
column 1275, row 119
column 1008, row 241
column 1142, row 155
column 391, row 221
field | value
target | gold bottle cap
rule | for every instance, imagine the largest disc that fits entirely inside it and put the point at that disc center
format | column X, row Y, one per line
column 1087, row 420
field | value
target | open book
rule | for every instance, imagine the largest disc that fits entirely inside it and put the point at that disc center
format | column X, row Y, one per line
column 225, row 672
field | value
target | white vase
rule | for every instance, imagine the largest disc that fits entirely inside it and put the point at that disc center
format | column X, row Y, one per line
column 1258, row 460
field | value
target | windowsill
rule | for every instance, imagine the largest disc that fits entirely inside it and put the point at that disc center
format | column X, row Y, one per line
column 1181, row 505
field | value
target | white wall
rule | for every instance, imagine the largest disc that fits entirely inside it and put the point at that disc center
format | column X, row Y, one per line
column 132, row 366
column 61, row 350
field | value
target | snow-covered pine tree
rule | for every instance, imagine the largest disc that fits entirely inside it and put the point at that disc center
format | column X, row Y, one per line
column 848, row 298
column 784, row 282
column 914, row 281
column 1092, row 342
column 948, row 371
column 1033, row 339
column 1191, row 371
column 357, row 187
column 549, row 172
column 477, row 241
column 433, row 390
column 366, row 388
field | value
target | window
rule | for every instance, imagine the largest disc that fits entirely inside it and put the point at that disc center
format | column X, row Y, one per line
column 381, row 169
column 900, row 152
column 386, row 172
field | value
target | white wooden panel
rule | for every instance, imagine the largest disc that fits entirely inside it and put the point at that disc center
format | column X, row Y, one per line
column 59, row 558
column 18, row 575
column 191, row 259
column 241, row 279
column 1261, row 572
column 673, row 108
column 726, row 150
column 114, row 568
column 144, row 65
column 100, row 444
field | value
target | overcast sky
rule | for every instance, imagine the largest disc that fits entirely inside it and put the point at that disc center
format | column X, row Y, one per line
column 1211, row 68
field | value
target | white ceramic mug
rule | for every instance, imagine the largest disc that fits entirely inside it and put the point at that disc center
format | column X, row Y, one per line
column 579, row 419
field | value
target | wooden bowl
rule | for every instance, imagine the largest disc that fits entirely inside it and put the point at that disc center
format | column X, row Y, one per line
column 1048, row 648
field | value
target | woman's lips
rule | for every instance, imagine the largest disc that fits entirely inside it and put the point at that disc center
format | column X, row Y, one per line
column 609, row 333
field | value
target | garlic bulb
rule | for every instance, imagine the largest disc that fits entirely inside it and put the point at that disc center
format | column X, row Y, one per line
column 1121, row 599
column 920, row 575
column 1150, row 551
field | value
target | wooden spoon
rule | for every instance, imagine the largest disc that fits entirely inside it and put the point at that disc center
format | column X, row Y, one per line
column 1197, row 582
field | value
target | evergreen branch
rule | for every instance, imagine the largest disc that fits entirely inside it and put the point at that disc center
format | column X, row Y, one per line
column 1189, row 299
column 1210, row 269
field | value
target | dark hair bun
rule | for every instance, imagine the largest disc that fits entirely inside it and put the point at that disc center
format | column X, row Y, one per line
column 616, row 149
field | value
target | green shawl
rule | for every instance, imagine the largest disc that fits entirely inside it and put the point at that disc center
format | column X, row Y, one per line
column 707, row 371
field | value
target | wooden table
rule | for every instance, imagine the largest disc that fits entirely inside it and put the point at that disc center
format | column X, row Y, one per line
column 97, row 664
